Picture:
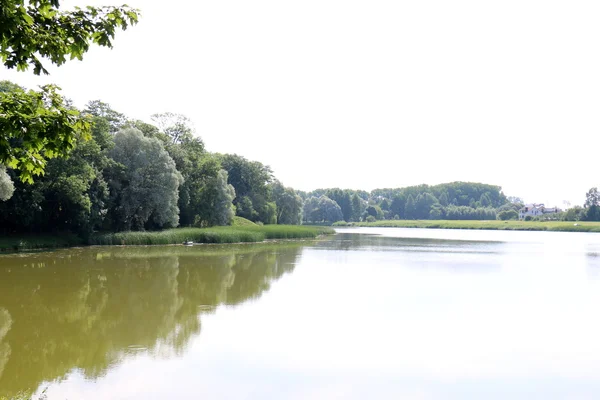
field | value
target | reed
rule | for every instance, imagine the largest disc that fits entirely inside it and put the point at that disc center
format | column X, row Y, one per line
column 220, row 234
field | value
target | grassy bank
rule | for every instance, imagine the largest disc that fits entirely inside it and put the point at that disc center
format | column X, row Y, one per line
column 220, row 234
column 563, row 226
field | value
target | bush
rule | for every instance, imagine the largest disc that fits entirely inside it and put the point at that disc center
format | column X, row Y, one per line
column 370, row 218
column 342, row 223
column 506, row 215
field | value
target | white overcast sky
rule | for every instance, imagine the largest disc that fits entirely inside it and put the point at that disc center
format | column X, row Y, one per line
column 368, row 94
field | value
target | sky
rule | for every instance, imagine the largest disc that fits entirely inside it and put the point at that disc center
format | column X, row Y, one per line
column 365, row 95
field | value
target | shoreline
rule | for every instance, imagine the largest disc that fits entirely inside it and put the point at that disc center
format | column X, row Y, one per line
column 551, row 226
column 175, row 236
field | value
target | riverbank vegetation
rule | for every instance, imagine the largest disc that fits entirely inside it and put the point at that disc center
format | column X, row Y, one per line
column 134, row 176
column 448, row 201
column 563, row 226
column 220, row 234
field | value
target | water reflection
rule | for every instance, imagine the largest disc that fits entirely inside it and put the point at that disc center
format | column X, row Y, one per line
column 358, row 242
column 89, row 309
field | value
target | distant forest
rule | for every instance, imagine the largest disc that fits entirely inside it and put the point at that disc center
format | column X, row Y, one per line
column 456, row 200
column 138, row 175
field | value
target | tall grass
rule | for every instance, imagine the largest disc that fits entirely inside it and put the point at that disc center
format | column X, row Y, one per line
column 221, row 234
column 563, row 226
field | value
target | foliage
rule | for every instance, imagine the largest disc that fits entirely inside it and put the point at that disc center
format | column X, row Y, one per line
column 506, row 215
column 71, row 196
column 250, row 180
column 576, row 213
column 358, row 207
column 410, row 210
column 216, row 198
column 321, row 210
column 342, row 223
column 344, row 200
column 145, row 186
column 469, row 213
column 289, row 204
column 36, row 126
column 38, row 27
column 374, row 211
column 592, row 205
column 104, row 114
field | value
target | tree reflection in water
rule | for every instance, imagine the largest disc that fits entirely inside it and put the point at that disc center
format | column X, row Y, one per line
column 89, row 309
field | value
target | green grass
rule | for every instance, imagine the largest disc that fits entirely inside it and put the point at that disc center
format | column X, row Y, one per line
column 220, row 234
column 240, row 221
column 564, row 226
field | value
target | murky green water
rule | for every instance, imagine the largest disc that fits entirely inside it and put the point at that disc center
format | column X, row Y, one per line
column 369, row 313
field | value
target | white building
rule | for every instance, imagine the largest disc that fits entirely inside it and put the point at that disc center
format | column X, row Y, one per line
column 536, row 210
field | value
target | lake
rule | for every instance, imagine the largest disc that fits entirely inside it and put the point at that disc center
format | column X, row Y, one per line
column 378, row 313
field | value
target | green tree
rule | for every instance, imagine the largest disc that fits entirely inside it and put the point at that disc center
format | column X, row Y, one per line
column 216, row 198
column 329, row 210
column 251, row 179
column 310, row 212
column 198, row 168
column 506, row 215
column 437, row 212
column 146, row 185
column 357, row 207
column 375, row 211
column 444, row 199
column 592, row 205
column 115, row 120
column 385, row 205
column 289, row 204
column 37, row 28
column 38, row 125
column 343, row 199
column 423, row 205
column 409, row 208
column 398, row 206
column 71, row 196
column 576, row 213
column 485, row 200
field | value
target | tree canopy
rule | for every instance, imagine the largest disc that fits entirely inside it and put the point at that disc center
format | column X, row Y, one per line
column 38, row 125
column 38, row 28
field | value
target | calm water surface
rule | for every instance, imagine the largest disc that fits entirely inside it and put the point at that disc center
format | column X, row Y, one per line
column 368, row 313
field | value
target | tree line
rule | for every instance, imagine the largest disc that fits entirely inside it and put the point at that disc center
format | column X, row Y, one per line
column 455, row 200
column 135, row 175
